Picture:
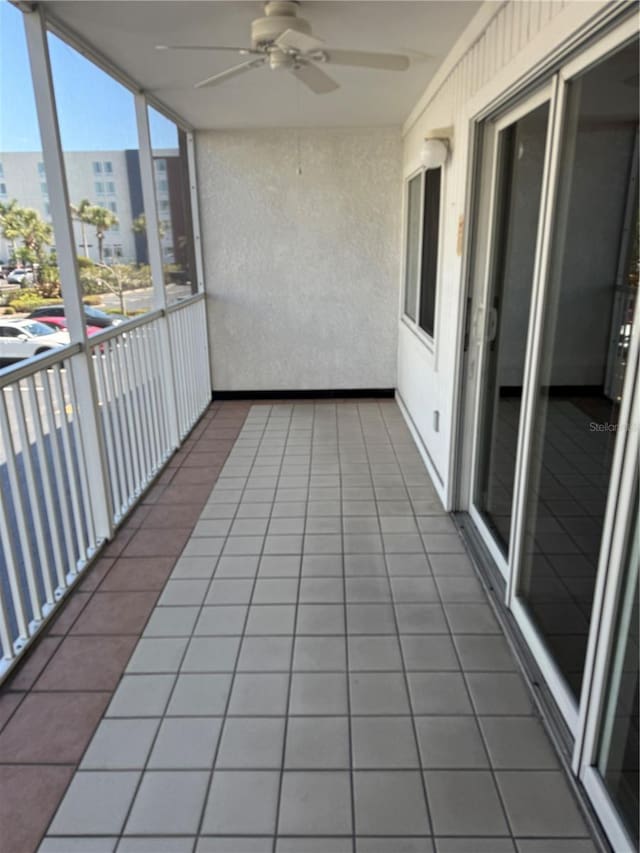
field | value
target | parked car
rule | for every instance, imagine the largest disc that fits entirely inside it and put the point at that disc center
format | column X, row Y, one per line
column 20, row 276
column 24, row 338
column 94, row 316
column 59, row 324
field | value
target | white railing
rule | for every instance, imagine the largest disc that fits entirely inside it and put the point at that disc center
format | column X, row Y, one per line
column 190, row 357
column 133, row 407
column 48, row 488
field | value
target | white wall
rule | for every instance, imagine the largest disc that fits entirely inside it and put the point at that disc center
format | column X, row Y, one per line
column 302, row 270
column 501, row 45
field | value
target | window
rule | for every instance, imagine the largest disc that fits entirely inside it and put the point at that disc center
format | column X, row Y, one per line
column 108, row 167
column 47, row 208
column 41, row 169
column 117, row 250
column 43, row 188
column 99, row 187
column 97, row 168
column 1, row 171
column 423, row 233
column 3, row 189
column 173, row 210
column 110, row 187
column 112, row 206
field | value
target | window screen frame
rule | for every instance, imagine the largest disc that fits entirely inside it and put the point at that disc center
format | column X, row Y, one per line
column 414, row 325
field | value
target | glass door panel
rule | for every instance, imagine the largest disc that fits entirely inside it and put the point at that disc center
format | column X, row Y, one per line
column 587, row 322
column 619, row 746
column 519, row 170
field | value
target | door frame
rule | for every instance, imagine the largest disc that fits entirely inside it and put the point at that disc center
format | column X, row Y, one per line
column 583, row 717
column 485, row 267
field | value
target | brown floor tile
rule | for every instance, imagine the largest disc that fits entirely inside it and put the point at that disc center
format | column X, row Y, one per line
column 137, row 517
column 151, row 542
column 156, row 491
column 52, row 728
column 29, row 795
column 116, row 613
column 8, row 703
column 70, row 611
column 34, row 663
column 205, row 459
column 168, row 515
column 196, row 476
column 119, row 542
column 87, row 663
column 95, row 574
column 166, row 477
column 138, row 573
column 185, row 494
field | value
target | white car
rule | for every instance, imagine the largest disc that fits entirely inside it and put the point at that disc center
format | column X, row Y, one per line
column 24, row 338
column 20, row 276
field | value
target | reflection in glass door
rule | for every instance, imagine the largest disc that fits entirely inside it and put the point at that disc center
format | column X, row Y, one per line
column 619, row 746
column 519, row 170
column 587, row 320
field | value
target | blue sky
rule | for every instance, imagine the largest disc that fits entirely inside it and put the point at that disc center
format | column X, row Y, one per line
column 95, row 112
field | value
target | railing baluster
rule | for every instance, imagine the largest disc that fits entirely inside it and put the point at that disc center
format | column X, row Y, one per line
column 59, row 474
column 47, row 490
column 20, row 510
column 77, row 515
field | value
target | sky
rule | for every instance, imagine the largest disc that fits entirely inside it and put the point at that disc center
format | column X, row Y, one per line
column 94, row 111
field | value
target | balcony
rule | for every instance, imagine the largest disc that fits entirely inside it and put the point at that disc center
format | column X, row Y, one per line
column 286, row 647
column 313, row 549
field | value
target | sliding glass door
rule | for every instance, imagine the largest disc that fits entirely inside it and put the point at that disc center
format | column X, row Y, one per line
column 552, row 419
column 585, row 330
column 518, row 146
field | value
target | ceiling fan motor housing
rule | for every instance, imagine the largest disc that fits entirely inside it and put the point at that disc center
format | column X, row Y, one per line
column 280, row 15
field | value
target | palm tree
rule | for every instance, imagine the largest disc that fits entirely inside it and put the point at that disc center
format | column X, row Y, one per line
column 10, row 221
column 81, row 213
column 139, row 225
column 102, row 219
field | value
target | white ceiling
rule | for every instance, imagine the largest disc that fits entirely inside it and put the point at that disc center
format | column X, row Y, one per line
column 126, row 33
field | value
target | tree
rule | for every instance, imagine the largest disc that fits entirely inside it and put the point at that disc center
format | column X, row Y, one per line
column 139, row 226
column 26, row 225
column 10, row 222
column 82, row 213
column 102, row 219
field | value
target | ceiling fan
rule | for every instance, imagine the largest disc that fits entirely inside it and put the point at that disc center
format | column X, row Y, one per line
column 282, row 40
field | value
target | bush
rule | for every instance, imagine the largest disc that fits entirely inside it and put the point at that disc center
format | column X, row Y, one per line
column 8, row 310
column 85, row 263
column 26, row 300
column 49, row 290
column 92, row 300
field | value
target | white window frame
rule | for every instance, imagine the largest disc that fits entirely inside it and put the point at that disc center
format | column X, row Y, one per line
column 430, row 341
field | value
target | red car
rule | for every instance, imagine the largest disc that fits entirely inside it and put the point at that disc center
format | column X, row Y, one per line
column 60, row 323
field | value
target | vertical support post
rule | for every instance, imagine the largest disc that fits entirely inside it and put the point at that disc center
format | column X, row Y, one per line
column 88, row 417
column 195, row 209
column 195, row 222
column 154, row 248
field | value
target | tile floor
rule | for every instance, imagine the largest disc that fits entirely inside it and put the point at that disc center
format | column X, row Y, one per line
column 321, row 672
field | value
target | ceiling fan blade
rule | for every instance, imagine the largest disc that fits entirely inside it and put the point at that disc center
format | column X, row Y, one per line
column 298, row 42
column 229, row 73
column 366, row 59
column 315, row 79
column 241, row 50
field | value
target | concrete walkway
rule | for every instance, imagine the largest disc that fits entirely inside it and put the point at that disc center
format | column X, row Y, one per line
column 321, row 672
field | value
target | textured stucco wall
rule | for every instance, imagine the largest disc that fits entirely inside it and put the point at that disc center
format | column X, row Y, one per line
column 302, row 270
